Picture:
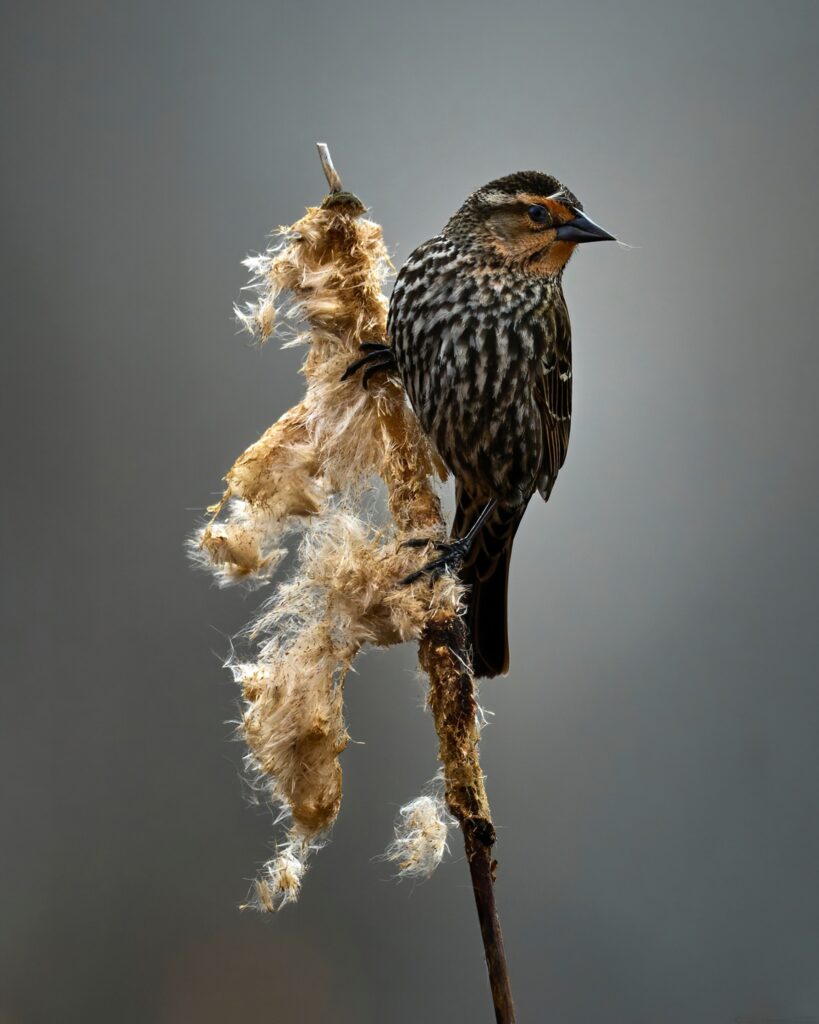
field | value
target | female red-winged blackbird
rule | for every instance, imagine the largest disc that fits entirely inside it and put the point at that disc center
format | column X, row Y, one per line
column 480, row 334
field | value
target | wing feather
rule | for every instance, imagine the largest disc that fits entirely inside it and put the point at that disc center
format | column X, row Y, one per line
column 553, row 394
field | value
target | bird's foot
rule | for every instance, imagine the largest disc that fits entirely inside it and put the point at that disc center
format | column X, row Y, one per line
column 453, row 553
column 378, row 357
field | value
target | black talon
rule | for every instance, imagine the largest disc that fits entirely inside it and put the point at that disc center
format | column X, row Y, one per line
column 385, row 364
column 422, row 542
column 353, row 367
column 380, row 356
column 455, row 550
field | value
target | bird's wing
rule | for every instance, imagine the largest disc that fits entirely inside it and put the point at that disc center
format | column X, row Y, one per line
column 553, row 394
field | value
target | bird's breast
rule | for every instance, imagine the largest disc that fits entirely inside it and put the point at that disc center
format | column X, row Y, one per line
column 469, row 342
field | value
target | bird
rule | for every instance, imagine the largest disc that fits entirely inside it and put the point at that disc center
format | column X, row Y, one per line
column 479, row 334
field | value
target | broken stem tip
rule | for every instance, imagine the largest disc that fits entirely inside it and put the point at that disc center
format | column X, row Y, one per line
column 330, row 173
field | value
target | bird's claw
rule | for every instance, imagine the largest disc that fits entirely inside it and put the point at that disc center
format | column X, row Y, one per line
column 378, row 357
column 454, row 553
column 422, row 542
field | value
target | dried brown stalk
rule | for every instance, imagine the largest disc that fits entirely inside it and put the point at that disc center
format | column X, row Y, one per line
column 444, row 655
column 308, row 473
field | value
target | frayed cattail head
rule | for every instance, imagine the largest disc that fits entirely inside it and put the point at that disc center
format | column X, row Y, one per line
column 314, row 474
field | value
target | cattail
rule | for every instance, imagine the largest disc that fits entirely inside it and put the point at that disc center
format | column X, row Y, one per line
column 313, row 475
column 315, row 482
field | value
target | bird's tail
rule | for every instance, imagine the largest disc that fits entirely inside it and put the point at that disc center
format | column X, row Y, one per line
column 486, row 573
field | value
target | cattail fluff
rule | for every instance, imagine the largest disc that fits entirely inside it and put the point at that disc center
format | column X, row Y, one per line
column 420, row 839
column 313, row 476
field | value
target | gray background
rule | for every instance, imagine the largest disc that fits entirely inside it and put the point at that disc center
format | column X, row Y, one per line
column 652, row 757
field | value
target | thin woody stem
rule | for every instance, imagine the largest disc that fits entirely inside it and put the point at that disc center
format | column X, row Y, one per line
column 446, row 657
column 481, row 868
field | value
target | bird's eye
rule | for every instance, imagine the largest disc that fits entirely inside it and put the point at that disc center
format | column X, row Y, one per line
column 539, row 214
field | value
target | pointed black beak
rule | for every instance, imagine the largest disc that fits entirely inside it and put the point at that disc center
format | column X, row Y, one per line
column 583, row 229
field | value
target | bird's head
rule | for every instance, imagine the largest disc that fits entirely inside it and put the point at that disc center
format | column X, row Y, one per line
column 529, row 220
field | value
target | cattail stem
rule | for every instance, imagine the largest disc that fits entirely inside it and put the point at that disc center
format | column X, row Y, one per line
column 307, row 472
column 330, row 173
column 482, row 868
column 445, row 655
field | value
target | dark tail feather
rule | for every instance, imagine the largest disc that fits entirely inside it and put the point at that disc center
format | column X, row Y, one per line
column 486, row 574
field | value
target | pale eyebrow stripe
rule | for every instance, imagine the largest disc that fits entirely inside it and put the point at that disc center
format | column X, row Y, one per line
column 498, row 198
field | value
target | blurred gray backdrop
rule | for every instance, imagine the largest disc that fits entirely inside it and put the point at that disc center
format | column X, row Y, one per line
column 652, row 758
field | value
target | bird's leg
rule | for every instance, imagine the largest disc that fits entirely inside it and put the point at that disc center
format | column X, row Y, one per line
column 378, row 357
column 454, row 551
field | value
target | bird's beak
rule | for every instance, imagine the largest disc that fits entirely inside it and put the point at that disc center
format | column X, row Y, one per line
column 583, row 229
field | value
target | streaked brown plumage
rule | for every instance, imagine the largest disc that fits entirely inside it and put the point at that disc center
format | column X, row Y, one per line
column 480, row 334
